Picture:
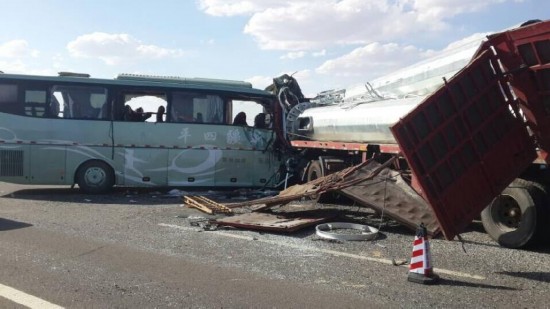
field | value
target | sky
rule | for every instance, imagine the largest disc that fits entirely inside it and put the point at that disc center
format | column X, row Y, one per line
column 326, row 44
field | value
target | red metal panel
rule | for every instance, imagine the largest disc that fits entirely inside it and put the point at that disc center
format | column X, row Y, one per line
column 465, row 143
column 525, row 55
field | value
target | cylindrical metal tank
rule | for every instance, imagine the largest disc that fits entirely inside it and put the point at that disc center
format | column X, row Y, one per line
column 368, row 122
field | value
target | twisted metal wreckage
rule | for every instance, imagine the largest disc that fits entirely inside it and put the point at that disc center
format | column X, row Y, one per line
column 473, row 126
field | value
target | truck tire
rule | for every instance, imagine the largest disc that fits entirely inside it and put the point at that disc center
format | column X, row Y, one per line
column 95, row 177
column 515, row 217
column 314, row 171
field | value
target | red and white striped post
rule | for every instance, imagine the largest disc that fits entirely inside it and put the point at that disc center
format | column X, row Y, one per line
column 420, row 268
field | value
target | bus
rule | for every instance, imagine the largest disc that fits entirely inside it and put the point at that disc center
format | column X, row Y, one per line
column 136, row 131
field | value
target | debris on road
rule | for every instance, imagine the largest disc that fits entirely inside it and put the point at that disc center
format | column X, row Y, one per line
column 206, row 205
column 370, row 184
column 280, row 222
column 346, row 231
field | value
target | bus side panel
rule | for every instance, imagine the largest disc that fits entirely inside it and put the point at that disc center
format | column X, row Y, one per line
column 234, row 168
column 15, row 163
column 264, row 167
column 144, row 166
column 142, row 152
column 192, row 167
column 47, row 165
column 248, row 159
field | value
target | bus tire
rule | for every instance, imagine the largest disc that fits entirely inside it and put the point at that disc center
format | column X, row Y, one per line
column 95, row 177
column 314, row 171
column 514, row 218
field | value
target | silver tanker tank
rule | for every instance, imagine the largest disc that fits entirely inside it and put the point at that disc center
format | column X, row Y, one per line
column 369, row 122
column 364, row 113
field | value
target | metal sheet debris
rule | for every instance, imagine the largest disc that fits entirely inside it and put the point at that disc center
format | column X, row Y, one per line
column 389, row 193
column 370, row 184
column 271, row 222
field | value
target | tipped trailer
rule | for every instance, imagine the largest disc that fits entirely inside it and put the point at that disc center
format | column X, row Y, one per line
column 477, row 145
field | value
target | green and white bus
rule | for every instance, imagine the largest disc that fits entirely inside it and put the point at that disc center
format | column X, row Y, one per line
column 134, row 130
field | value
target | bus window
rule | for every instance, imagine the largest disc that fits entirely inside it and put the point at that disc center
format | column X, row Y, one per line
column 144, row 107
column 195, row 107
column 81, row 102
column 35, row 103
column 255, row 115
column 8, row 99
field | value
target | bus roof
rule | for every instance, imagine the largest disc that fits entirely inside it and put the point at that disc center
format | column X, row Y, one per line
column 136, row 80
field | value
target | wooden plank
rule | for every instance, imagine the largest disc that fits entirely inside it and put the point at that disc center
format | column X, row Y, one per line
column 206, row 205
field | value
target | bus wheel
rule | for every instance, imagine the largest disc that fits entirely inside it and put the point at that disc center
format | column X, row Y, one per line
column 95, row 177
column 514, row 217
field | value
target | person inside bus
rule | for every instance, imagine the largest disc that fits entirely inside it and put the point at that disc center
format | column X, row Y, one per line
column 128, row 112
column 199, row 118
column 53, row 111
column 138, row 115
column 240, row 119
column 160, row 113
column 259, row 121
column 141, row 116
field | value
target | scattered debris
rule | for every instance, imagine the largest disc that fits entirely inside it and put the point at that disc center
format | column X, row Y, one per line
column 346, row 231
column 395, row 262
column 204, row 223
column 271, row 222
column 369, row 184
column 206, row 205
column 176, row 193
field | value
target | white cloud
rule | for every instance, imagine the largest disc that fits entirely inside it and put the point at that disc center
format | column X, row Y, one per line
column 320, row 53
column 372, row 60
column 302, row 26
column 116, row 48
column 237, row 7
column 17, row 49
column 260, row 82
column 306, row 25
column 19, row 67
column 441, row 9
column 294, row 55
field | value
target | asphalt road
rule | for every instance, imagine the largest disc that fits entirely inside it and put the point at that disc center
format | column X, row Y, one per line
column 139, row 250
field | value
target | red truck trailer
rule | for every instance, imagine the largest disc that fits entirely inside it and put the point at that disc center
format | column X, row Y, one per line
column 477, row 145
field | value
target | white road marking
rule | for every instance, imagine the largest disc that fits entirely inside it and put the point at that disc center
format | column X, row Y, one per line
column 25, row 299
column 327, row 251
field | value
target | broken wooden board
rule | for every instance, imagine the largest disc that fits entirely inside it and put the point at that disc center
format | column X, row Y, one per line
column 271, row 222
column 206, row 205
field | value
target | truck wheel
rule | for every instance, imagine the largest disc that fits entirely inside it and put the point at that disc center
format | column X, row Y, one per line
column 314, row 171
column 512, row 218
column 95, row 177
